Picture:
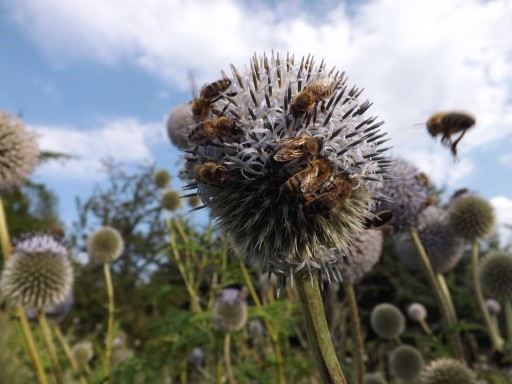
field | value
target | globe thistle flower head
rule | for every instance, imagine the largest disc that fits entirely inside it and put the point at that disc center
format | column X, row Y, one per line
column 83, row 352
column 495, row 271
column 373, row 378
column 19, row 152
column 287, row 162
column 230, row 311
column 56, row 313
column 442, row 244
column 105, row 244
column 170, row 200
column 193, row 201
column 387, row 321
column 406, row 362
column 178, row 125
column 417, row 312
column 446, row 371
column 38, row 274
column 472, row 217
column 362, row 255
column 161, row 178
column 493, row 307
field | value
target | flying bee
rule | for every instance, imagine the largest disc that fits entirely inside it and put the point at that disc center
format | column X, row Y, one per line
column 297, row 147
column 448, row 124
column 216, row 127
column 380, row 219
column 334, row 197
column 209, row 94
column 306, row 182
column 315, row 92
column 211, row 173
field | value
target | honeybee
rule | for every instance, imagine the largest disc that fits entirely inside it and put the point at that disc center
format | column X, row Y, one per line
column 422, row 179
column 447, row 124
column 306, row 182
column 209, row 94
column 211, row 173
column 431, row 200
column 57, row 233
column 334, row 197
column 315, row 92
column 297, row 147
column 380, row 219
column 216, row 127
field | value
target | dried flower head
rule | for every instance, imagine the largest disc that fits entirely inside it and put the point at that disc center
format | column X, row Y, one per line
column 178, row 125
column 56, row 313
column 443, row 246
column 170, row 200
column 387, row 321
column 446, row 371
column 105, row 244
column 374, row 378
column 406, row 362
column 287, row 162
column 493, row 307
column 472, row 217
column 230, row 311
column 408, row 192
column 495, row 272
column 38, row 274
column 161, row 178
column 82, row 352
column 417, row 312
column 19, row 152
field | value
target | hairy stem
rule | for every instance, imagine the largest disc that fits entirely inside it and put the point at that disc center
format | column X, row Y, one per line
column 110, row 321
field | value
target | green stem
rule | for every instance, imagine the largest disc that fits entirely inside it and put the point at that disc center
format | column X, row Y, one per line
column 110, row 321
column 356, row 331
column 496, row 340
column 227, row 358
column 217, row 360
column 67, row 350
column 427, row 328
column 50, row 346
column 318, row 333
column 508, row 319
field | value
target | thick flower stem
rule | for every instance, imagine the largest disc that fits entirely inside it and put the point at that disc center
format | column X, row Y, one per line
column 69, row 354
column 318, row 332
column 227, row 358
column 496, row 340
column 110, row 321
column 50, row 346
column 508, row 319
column 356, row 331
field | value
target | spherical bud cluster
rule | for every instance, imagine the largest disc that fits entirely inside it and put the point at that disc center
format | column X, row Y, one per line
column 472, row 217
column 362, row 255
column 56, row 313
column 193, row 201
column 196, row 357
column 178, row 125
column 407, row 190
column 387, row 321
column 19, row 152
column 230, row 311
column 170, row 200
column 493, row 307
column 446, row 371
column 105, row 244
column 373, row 378
column 83, row 352
column 443, row 246
column 495, row 272
column 417, row 312
column 38, row 274
column 161, row 178
column 286, row 161
column 406, row 362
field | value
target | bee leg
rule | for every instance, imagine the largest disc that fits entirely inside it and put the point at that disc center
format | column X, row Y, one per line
column 322, row 107
column 454, row 145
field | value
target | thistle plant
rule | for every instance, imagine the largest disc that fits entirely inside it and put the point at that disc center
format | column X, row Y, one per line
column 406, row 362
column 387, row 321
column 417, row 312
column 287, row 162
column 446, row 371
column 170, row 200
column 161, row 178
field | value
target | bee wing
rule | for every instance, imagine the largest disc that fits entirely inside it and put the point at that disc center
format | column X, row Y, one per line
column 311, row 182
column 287, row 154
column 379, row 220
column 193, row 85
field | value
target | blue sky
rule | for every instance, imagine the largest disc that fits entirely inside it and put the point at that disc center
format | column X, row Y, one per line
column 99, row 78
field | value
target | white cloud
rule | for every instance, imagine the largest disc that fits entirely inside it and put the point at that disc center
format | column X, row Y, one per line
column 503, row 209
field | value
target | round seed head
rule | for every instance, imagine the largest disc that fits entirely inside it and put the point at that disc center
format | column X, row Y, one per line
column 300, row 174
column 387, row 321
column 230, row 311
column 82, row 352
column 406, row 362
column 417, row 312
column 194, row 201
column 19, row 152
column 38, row 274
column 161, row 178
column 472, row 217
column 170, row 200
column 178, row 125
column 443, row 246
column 105, row 244
column 493, row 307
column 374, row 378
column 446, row 371
column 495, row 272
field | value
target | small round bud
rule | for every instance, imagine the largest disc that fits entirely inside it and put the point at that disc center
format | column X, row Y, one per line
column 406, row 362
column 495, row 272
column 122, row 354
column 374, row 378
column 38, row 273
column 196, row 357
column 161, row 178
column 493, row 307
column 170, row 200
column 105, row 244
column 417, row 312
column 387, row 321
column 178, row 125
column 230, row 311
column 472, row 217
column 82, row 352
column 193, row 201
column 446, row 371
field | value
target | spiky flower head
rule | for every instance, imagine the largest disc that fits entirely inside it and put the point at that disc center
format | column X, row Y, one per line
column 472, row 217
column 446, row 371
column 387, row 321
column 161, row 178
column 292, row 163
column 56, row 313
column 362, row 255
column 19, row 152
column 230, row 311
column 83, row 352
column 178, row 125
column 417, row 312
column 406, row 362
column 407, row 190
column 493, row 307
column 38, row 274
column 193, row 201
column 105, row 244
column 495, row 272
column 442, row 244
column 170, row 200
column 373, row 378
